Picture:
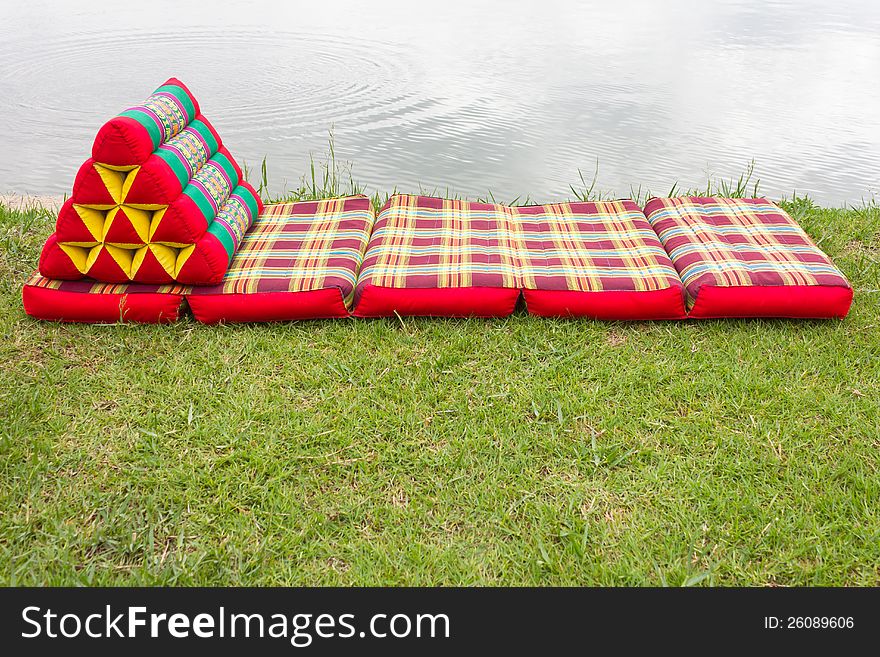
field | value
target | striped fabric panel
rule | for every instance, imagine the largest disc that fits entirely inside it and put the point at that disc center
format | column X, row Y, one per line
column 430, row 242
column 592, row 247
column 423, row 242
column 189, row 150
column 738, row 242
column 166, row 112
column 88, row 286
column 212, row 184
column 299, row 247
column 235, row 218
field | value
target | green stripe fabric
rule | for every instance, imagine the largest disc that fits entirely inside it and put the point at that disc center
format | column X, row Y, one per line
column 158, row 114
column 148, row 122
column 209, row 188
column 225, row 238
column 238, row 212
column 176, row 166
column 187, row 152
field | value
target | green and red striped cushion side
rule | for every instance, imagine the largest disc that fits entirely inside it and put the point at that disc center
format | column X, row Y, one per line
column 133, row 135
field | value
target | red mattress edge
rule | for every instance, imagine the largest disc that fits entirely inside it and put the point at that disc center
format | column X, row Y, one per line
column 64, row 306
column 667, row 303
column 783, row 301
column 380, row 301
column 326, row 303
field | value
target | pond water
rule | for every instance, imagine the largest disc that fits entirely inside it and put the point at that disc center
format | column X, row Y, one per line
column 512, row 97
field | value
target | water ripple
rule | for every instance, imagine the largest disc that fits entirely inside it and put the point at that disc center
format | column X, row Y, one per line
column 512, row 105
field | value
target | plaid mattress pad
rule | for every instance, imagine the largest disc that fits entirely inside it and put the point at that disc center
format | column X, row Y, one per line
column 728, row 242
column 299, row 247
column 425, row 242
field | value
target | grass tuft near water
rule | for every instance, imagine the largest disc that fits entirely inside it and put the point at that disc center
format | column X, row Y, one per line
column 430, row 451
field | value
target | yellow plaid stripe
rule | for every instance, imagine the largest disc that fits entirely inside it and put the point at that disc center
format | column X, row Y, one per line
column 413, row 240
column 710, row 250
column 452, row 245
column 301, row 259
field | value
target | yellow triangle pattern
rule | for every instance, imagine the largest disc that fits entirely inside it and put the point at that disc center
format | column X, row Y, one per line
column 117, row 180
column 93, row 220
column 79, row 256
column 172, row 259
column 144, row 219
column 123, row 257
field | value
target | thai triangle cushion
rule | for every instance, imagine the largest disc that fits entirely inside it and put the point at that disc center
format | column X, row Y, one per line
column 299, row 261
column 94, row 302
column 154, row 202
column 597, row 259
column 747, row 258
column 432, row 256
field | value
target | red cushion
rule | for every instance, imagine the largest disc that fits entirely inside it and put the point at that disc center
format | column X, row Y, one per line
column 299, row 261
column 793, row 301
column 56, row 264
column 441, row 257
column 747, row 258
column 90, row 302
column 431, row 256
column 122, row 141
column 125, row 140
column 89, row 187
column 161, row 200
column 114, row 245
column 595, row 259
column 268, row 306
column 377, row 301
column 612, row 305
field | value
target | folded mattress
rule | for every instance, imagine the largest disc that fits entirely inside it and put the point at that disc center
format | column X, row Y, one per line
column 440, row 257
column 599, row 259
column 443, row 257
column 299, row 261
column 747, row 258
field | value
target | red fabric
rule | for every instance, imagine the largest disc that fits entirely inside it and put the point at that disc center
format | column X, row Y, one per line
column 55, row 263
column 268, row 306
column 183, row 222
column 89, row 188
column 667, row 303
column 64, row 306
column 151, row 271
column 107, row 269
column 121, row 230
column 793, row 301
column 207, row 265
column 154, row 184
column 69, row 226
column 122, row 141
column 378, row 301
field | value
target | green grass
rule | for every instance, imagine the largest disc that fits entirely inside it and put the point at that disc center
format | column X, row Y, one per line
column 429, row 451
